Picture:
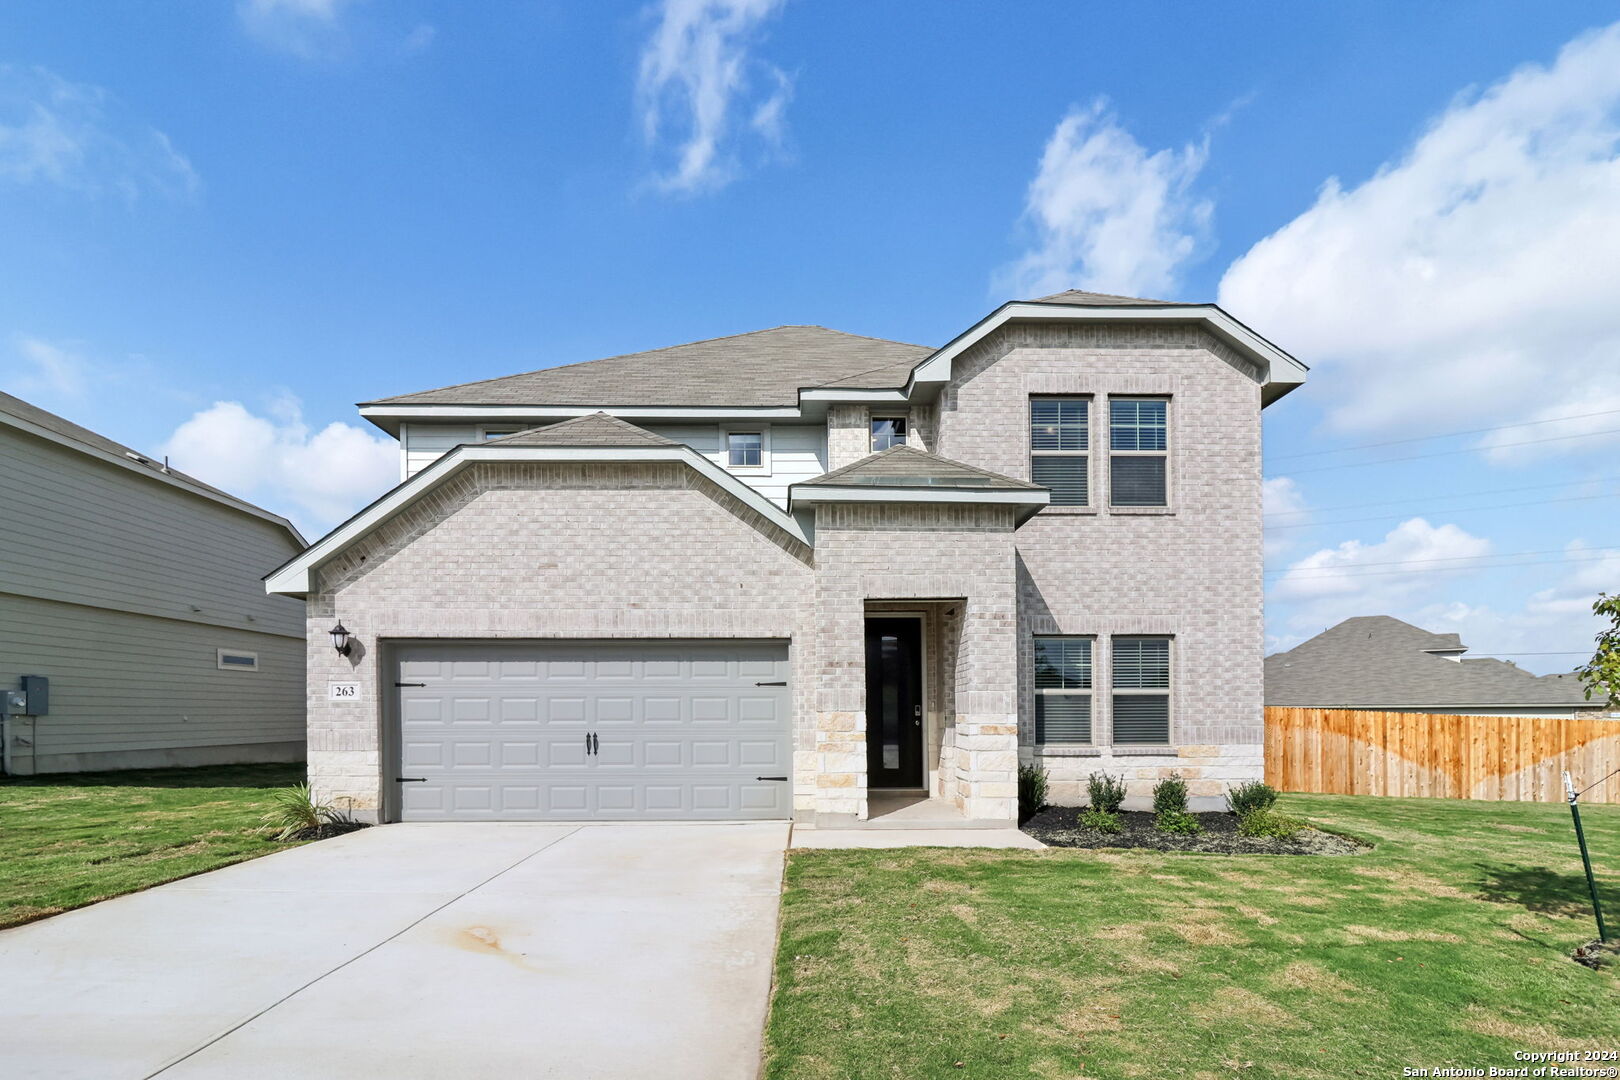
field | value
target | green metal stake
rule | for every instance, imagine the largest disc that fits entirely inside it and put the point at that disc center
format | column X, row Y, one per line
column 1580, row 836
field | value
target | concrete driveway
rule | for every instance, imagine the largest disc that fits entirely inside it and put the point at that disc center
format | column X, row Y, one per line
column 432, row 951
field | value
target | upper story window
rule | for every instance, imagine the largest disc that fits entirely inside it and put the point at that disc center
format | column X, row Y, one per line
column 1062, row 690
column 745, row 449
column 1059, row 448
column 1141, row 704
column 1138, row 446
column 498, row 432
column 888, row 431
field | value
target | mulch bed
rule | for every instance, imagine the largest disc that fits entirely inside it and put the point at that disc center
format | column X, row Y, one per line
column 1059, row 826
column 329, row 830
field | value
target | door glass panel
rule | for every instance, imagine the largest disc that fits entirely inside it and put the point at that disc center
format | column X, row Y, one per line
column 890, row 647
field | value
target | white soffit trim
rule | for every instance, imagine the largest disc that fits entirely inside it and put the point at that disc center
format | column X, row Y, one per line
column 1282, row 370
column 293, row 578
column 151, row 471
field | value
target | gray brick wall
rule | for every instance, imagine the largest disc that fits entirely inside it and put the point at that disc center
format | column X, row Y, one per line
column 1193, row 572
column 571, row 551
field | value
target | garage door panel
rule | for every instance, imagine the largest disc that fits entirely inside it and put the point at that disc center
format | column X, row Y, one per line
column 681, row 730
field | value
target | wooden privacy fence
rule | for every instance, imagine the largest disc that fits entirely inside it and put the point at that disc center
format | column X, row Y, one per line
column 1516, row 758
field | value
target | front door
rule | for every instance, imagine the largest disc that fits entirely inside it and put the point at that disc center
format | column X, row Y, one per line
column 894, row 707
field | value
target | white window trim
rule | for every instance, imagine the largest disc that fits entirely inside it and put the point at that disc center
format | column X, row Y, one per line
column 1168, row 692
column 500, row 430
column 1089, row 453
column 1168, row 453
column 886, row 414
column 1039, row 691
column 764, row 432
column 221, row 654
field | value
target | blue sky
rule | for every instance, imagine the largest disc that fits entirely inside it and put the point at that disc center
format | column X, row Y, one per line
column 222, row 224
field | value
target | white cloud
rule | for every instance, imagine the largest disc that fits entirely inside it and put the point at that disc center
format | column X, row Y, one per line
column 52, row 371
column 696, row 74
column 1282, row 504
column 1554, row 628
column 277, row 460
column 76, row 136
column 1107, row 215
column 1474, row 275
column 1367, row 579
column 319, row 30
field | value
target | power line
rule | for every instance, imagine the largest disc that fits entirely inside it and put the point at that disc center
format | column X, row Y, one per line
column 1457, row 510
column 1449, row 453
column 1451, row 495
column 1445, row 435
column 1325, row 572
column 1469, row 558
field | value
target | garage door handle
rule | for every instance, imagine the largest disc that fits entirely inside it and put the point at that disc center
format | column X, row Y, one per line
column 770, row 684
column 770, row 778
column 410, row 779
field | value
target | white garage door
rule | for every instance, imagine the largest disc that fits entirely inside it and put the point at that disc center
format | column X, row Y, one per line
column 570, row 730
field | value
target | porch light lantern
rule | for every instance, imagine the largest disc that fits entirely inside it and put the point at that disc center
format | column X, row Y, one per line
column 340, row 639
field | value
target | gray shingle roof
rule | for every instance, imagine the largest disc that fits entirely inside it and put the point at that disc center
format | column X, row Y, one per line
column 596, row 429
column 1098, row 299
column 761, row 368
column 1376, row 660
column 67, row 429
column 907, row 466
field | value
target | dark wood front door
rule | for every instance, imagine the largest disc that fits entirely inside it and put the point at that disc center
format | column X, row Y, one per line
column 894, row 707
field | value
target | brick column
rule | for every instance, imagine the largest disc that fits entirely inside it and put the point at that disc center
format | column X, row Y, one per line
column 849, row 435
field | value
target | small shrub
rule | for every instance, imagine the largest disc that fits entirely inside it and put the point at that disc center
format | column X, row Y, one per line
column 1105, row 821
column 1251, row 796
column 1269, row 823
column 1105, row 792
column 1031, row 790
column 1170, row 796
column 294, row 809
column 1177, row 821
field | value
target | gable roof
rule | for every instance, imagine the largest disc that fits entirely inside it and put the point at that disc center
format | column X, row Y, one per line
column 17, row 413
column 907, row 466
column 592, row 429
column 760, row 368
column 1376, row 660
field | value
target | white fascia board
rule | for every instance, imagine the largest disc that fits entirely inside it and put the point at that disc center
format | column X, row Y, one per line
column 151, row 471
column 833, row 394
column 389, row 417
column 1282, row 370
column 822, row 493
column 293, row 578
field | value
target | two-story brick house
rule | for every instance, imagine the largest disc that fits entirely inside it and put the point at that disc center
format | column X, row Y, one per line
column 770, row 575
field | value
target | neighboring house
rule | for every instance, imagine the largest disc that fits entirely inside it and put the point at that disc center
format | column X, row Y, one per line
column 135, row 591
column 774, row 574
column 1376, row 662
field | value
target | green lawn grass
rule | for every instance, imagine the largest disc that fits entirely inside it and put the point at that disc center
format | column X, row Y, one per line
column 1446, row 945
column 72, row 839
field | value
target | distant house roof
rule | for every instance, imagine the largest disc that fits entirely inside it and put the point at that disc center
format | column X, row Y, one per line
column 907, row 466
column 19, row 413
column 760, row 368
column 1099, row 299
column 1376, row 661
column 593, row 429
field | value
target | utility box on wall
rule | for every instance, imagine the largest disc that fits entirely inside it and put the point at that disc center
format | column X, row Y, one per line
column 37, row 689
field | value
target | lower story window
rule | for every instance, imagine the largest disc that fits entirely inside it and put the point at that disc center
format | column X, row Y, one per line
column 1141, row 683
column 1062, row 690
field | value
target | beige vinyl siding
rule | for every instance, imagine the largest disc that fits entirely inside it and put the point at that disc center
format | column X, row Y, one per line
column 121, row 588
column 88, row 532
column 796, row 451
column 123, row 683
column 421, row 445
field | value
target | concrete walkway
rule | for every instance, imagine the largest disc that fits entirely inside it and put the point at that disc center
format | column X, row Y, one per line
column 417, row 951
